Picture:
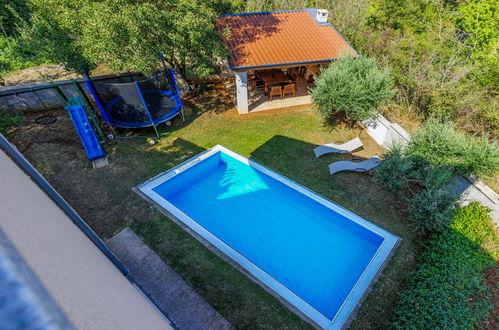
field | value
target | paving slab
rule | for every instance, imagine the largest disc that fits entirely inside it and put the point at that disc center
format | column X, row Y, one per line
column 173, row 296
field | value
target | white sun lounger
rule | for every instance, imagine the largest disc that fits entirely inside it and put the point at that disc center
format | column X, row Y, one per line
column 357, row 166
column 344, row 148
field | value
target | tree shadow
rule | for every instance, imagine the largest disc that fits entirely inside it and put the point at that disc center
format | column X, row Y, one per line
column 289, row 155
column 296, row 160
column 241, row 30
column 210, row 99
column 467, row 295
column 340, row 118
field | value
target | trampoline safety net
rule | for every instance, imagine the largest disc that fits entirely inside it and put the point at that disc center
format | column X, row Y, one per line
column 147, row 102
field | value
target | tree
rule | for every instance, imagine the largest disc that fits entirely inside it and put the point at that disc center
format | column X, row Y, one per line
column 128, row 35
column 13, row 53
column 478, row 20
column 353, row 86
column 12, row 12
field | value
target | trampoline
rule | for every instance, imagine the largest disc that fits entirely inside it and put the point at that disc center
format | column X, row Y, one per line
column 147, row 102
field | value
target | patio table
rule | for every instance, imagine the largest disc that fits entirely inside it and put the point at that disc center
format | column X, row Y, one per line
column 277, row 79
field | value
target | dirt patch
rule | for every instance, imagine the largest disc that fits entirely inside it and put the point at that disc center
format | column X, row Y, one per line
column 59, row 132
column 202, row 99
column 492, row 282
column 407, row 120
column 47, row 73
column 38, row 74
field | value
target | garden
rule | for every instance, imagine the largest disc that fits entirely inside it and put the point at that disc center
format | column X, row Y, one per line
column 428, row 65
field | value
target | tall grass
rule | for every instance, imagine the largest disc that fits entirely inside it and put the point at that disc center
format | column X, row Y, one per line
column 441, row 144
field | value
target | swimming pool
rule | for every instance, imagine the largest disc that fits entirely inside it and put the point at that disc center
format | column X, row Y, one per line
column 312, row 253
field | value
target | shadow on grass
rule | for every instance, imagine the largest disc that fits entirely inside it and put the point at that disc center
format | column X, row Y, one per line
column 460, row 263
column 340, row 118
column 210, row 98
column 296, row 160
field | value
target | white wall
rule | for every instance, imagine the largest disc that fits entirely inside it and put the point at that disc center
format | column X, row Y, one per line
column 242, row 92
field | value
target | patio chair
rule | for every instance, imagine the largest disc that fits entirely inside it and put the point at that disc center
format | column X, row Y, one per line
column 288, row 89
column 252, row 84
column 275, row 91
column 344, row 148
column 259, row 84
column 354, row 165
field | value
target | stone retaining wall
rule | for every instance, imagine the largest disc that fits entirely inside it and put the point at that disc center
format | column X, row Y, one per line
column 47, row 99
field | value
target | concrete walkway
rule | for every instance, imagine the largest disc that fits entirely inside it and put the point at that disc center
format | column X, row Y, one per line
column 177, row 299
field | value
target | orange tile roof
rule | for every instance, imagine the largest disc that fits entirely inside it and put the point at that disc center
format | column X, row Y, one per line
column 279, row 38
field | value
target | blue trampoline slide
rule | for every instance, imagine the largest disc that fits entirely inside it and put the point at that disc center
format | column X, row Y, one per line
column 85, row 132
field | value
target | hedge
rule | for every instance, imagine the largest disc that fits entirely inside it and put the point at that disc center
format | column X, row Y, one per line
column 448, row 290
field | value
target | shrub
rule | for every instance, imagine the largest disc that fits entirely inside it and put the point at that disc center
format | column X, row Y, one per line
column 440, row 144
column 437, row 176
column 9, row 121
column 353, row 86
column 395, row 171
column 448, row 291
column 422, row 184
column 431, row 209
column 14, row 55
column 482, row 157
column 472, row 222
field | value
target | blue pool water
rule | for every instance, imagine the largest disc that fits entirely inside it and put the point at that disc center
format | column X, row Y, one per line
column 312, row 250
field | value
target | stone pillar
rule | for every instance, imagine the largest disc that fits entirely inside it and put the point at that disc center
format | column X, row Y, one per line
column 242, row 92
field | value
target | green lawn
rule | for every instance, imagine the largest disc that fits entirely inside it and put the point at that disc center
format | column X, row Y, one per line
column 281, row 140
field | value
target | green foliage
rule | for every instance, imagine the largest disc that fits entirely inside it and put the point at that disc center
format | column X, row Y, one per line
column 395, row 171
column 353, row 86
column 12, row 13
column 431, row 209
column 8, row 121
column 13, row 56
column 473, row 223
column 420, row 171
column 128, row 35
column 437, row 176
column 450, row 274
column 438, row 68
column 53, row 34
column 440, row 144
column 396, row 14
column 422, row 184
column 478, row 19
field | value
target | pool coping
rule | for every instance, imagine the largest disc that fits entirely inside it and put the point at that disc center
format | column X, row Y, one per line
column 292, row 301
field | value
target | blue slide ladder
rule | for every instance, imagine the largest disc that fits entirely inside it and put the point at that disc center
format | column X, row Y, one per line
column 76, row 109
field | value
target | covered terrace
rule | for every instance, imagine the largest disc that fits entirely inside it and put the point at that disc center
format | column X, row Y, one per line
column 276, row 56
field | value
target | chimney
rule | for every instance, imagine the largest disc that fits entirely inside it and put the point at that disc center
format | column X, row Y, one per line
column 322, row 15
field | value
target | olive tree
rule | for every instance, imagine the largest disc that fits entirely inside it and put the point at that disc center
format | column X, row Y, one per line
column 353, row 86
